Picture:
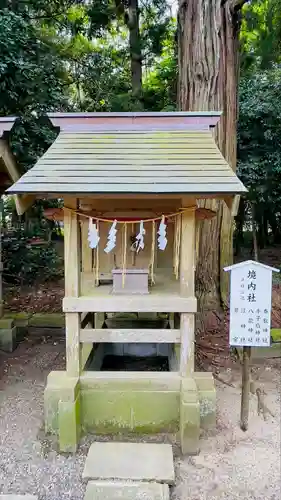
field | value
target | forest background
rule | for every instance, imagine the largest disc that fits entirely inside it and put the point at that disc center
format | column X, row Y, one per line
column 147, row 55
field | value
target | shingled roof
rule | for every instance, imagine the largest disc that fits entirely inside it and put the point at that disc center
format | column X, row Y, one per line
column 125, row 153
column 9, row 171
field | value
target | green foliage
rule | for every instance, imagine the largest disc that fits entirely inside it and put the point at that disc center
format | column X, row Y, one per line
column 31, row 79
column 260, row 35
column 75, row 55
column 26, row 262
column 259, row 148
column 32, row 82
column 259, row 151
column 30, row 138
column 160, row 85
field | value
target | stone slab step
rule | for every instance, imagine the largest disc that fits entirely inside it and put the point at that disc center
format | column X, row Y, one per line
column 18, row 497
column 130, row 461
column 109, row 490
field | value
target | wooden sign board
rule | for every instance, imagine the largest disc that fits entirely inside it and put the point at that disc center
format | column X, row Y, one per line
column 250, row 304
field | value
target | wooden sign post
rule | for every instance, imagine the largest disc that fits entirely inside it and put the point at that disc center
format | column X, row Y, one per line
column 250, row 313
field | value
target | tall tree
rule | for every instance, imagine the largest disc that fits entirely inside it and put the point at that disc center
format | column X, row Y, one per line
column 208, row 35
column 147, row 22
column 130, row 11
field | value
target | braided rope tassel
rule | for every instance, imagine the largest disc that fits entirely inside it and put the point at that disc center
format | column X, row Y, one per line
column 177, row 240
column 97, row 261
column 152, row 258
column 124, row 255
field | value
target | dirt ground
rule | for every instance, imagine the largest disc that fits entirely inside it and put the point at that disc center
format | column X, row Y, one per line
column 231, row 465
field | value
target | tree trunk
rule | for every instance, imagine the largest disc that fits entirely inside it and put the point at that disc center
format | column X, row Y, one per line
column 254, row 231
column 274, row 227
column 135, row 46
column 239, row 222
column 259, row 218
column 265, row 229
column 208, row 77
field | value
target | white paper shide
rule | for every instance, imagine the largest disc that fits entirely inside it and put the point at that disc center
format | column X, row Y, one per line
column 111, row 239
column 162, row 231
column 139, row 244
column 93, row 234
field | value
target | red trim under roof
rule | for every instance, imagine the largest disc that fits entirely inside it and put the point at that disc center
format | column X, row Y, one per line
column 87, row 122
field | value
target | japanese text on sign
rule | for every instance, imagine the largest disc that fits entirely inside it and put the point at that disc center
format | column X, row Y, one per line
column 250, row 305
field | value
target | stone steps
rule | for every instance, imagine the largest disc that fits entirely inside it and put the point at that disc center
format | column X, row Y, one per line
column 113, row 490
column 129, row 471
column 18, row 497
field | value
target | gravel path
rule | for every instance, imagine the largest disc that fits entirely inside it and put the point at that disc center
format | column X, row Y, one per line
column 231, row 464
column 28, row 464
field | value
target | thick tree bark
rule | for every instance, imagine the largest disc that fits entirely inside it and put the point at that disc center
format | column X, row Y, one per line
column 240, row 221
column 208, row 77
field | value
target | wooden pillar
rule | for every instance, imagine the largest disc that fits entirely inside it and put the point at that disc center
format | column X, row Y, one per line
column 87, row 267
column 187, row 264
column 187, row 289
column 72, row 285
column 187, row 344
column 87, row 252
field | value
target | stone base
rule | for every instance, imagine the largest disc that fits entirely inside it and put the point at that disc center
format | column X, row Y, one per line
column 18, row 497
column 8, row 335
column 47, row 320
column 24, row 321
column 130, row 462
column 20, row 320
column 14, row 327
column 122, row 407
column 207, row 399
column 125, row 490
column 62, row 410
column 189, row 417
column 113, row 403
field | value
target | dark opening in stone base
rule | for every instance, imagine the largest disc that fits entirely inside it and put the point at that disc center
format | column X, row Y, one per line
column 112, row 362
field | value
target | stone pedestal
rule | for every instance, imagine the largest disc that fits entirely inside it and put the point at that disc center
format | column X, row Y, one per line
column 62, row 410
column 189, row 417
column 8, row 335
column 107, row 404
column 207, row 399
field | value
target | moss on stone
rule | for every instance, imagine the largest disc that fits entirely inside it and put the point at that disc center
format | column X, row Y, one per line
column 69, row 425
column 127, row 406
column 276, row 334
column 207, row 398
column 190, row 427
column 6, row 323
column 51, row 401
column 54, row 320
column 17, row 316
column 59, row 387
column 138, row 411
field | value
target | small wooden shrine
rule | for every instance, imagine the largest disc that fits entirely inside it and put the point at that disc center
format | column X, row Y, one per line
column 130, row 184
